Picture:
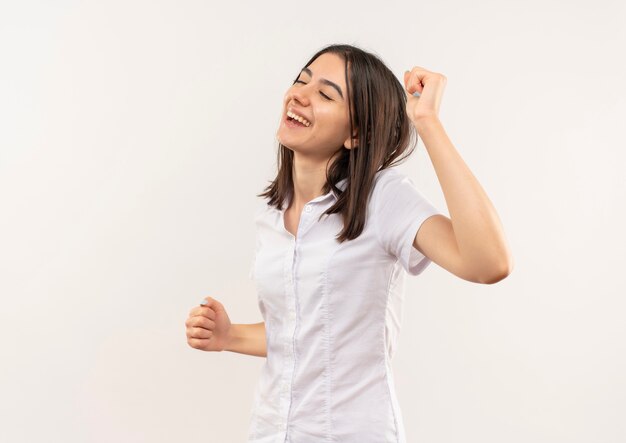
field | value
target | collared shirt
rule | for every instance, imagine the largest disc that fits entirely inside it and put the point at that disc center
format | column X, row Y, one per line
column 332, row 315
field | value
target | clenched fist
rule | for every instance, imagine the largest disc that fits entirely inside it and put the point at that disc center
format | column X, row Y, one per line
column 208, row 326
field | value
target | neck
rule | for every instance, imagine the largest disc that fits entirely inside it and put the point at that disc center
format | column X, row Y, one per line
column 309, row 177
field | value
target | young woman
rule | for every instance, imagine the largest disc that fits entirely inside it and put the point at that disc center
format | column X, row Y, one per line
column 340, row 228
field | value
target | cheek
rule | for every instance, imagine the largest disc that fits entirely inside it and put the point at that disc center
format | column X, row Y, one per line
column 333, row 119
column 337, row 128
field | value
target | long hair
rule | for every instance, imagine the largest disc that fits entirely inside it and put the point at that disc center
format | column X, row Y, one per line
column 377, row 106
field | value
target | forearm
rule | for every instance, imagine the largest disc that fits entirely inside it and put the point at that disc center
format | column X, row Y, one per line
column 247, row 339
column 479, row 234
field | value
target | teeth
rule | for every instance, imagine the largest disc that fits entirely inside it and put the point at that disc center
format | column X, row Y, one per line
column 302, row 120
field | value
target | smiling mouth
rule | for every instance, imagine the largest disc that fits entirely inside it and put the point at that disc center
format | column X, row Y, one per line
column 293, row 123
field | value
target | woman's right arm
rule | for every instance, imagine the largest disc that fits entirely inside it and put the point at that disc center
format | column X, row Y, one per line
column 247, row 339
column 209, row 329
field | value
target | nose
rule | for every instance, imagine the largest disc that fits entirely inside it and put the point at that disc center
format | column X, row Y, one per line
column 300, row 95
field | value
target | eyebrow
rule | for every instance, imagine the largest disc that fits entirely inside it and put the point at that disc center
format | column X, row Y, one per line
column 326, row 82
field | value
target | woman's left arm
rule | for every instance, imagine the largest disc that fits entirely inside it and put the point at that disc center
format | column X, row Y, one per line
column 475, row 236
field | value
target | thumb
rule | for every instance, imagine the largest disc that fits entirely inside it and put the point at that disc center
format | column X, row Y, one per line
column 212, row 303
column 407, row 74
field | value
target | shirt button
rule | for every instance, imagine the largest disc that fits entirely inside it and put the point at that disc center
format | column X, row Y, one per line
column 308, row 208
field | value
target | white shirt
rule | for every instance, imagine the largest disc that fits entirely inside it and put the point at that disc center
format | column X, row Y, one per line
column 332, row 315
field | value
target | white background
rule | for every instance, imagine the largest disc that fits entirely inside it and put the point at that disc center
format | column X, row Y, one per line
column 135, row 135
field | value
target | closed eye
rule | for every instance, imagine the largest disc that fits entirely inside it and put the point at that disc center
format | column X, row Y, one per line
column 322, row 94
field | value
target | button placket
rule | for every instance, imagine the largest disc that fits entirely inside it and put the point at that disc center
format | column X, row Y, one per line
column 306, row 220
column 291, row 326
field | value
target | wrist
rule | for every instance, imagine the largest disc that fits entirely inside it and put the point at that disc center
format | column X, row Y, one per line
column 230, row 338
column 425, row 122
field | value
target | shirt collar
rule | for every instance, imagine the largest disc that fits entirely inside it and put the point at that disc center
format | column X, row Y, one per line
column 341, row 184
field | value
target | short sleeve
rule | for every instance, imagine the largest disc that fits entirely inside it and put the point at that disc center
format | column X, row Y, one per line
column 399, row 209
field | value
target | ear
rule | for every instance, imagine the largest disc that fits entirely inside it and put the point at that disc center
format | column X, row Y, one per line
column 355, row 138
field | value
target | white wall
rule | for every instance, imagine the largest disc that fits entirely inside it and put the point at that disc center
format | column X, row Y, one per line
column 135, row 135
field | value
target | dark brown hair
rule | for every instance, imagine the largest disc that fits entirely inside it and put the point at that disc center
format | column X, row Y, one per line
column 377, row 106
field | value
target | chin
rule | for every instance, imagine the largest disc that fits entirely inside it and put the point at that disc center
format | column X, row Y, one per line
column 283, row 140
